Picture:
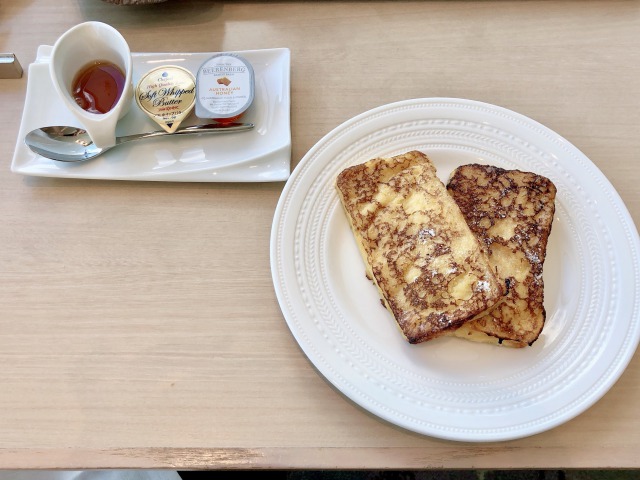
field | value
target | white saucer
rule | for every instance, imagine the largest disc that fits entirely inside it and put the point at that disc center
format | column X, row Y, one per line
column 260, row 155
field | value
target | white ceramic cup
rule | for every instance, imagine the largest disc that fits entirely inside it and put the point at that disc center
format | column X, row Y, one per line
column 74, row 50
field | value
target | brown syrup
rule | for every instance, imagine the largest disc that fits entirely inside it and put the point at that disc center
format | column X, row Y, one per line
column 98, row 86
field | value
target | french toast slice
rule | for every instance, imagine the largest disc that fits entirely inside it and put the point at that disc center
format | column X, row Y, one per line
column 511, row 212
column 431, row 271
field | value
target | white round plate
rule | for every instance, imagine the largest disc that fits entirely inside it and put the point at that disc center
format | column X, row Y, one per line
column 452, row 388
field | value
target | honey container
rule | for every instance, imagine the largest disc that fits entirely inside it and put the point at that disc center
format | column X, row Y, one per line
column 225, row 86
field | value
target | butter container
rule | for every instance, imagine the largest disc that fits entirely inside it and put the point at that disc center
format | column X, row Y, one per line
column 167, row 94
column 225, row 86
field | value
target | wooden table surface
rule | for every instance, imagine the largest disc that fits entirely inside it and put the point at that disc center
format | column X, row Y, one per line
column 138, row 322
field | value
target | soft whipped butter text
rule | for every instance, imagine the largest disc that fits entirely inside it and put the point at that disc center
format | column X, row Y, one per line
column 167, row 95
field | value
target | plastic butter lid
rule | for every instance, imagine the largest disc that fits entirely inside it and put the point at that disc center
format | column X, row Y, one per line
column 225, row 86
column 167, row 94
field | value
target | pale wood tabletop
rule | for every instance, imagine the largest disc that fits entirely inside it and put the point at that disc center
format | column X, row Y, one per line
column 138, row 321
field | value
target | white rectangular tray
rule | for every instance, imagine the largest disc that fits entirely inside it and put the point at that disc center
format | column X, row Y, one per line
column 260, row 155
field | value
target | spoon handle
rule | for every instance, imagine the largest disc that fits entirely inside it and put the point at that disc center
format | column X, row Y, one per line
column 195, row 129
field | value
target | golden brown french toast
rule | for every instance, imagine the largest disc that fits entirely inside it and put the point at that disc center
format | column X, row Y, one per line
column 511, row 212
column 432, row 273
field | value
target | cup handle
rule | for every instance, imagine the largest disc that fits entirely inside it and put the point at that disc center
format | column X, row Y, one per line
column 103, row 133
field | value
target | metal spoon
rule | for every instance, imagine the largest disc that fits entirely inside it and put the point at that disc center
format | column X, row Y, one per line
column 71, row 144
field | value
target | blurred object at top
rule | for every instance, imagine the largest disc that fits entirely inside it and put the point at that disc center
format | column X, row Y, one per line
column 133, row 2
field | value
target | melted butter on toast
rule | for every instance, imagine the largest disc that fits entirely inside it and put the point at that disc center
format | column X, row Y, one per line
column 432, row 273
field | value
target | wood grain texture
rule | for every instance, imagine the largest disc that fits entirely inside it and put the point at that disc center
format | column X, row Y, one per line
column 138, row 322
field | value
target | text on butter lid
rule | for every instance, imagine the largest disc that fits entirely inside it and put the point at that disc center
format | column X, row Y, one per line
column 167, row 95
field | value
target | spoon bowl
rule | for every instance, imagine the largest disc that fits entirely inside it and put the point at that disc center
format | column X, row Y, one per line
column 73, row 144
